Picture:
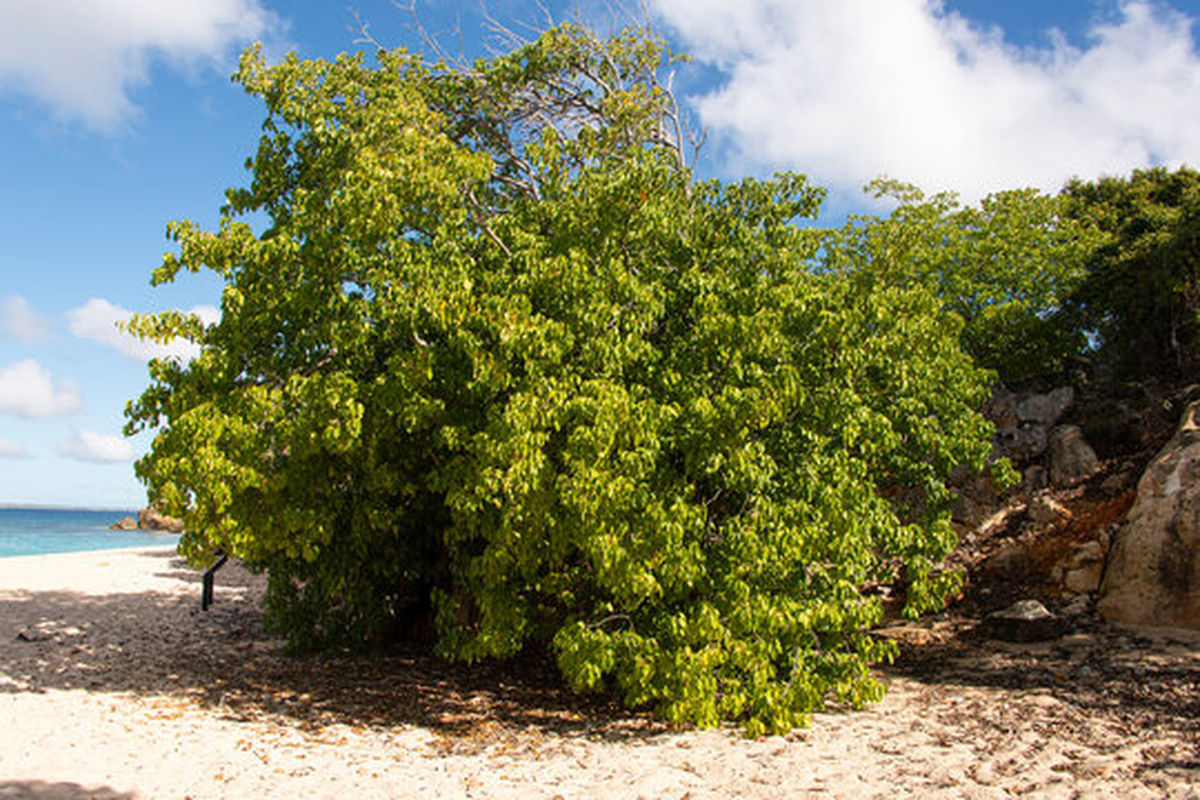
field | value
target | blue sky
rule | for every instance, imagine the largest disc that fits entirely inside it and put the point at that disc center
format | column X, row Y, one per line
column 117, row 116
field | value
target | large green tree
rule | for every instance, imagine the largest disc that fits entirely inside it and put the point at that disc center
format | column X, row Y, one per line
column 1141, row 298
column 1006, row 268
column 488, row 356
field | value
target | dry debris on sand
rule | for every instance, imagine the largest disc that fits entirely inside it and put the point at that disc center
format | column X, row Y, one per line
column 113, row 684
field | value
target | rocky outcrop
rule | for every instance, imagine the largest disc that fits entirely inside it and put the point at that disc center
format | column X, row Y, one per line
column 1083, row 568
column 1055, row 542
column 149, row 519
column 1153, row 572
column 1045, row 409
column 1029, row 435
column 1072, row 459
column 1023, row 421
column 124, row 524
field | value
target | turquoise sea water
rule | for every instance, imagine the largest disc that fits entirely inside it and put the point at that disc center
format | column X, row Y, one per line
column 37, row 531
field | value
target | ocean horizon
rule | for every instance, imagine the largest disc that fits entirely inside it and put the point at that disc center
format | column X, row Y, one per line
column 43, row 530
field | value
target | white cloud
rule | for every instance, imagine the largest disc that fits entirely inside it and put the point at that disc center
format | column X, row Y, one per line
column 27, row 390
column 83, row 57
column 96, row 448
column 99, row 320
column 847, row 90
column 11, row 450
column 19, row 321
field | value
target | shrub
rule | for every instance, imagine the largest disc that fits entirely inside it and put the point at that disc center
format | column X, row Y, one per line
column 494, row 358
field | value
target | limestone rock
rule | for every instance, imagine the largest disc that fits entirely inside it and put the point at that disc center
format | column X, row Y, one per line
column 1023, row 421
column 1020, row 444
column 1024, row 621
column 1086, row 553
column 1153, row 575
column 1072, row 459
column 1084, row 580
column 124, row 524
column 1046, row 409
column 1002, row 410
column 1120, row 481
column 1084, row 568
column 1011, row 561
column 150, row 519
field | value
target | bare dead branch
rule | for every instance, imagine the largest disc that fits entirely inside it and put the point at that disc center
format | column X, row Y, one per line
column 431, row 41
column 481, row 220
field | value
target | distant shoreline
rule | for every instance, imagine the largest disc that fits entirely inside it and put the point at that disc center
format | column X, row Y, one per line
column 149, row 549
column 45, row 530
column 64, row 507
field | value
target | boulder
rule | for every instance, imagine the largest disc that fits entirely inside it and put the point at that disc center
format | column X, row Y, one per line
column 124, row 524
column 151, row 520
column 1120, row 481
column 1024, row 621
column 1010, row 562
column 974, row 500
column 1020, row 443
column 1002, row 409
column 1023, row 422
column 1153, row 573
column 1072, row 459
column 1084, row 568
column 1046, row 409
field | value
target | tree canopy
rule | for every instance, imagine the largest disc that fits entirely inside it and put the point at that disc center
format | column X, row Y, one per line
column 1141, row 298
column 488, row 356
column 1007, row 268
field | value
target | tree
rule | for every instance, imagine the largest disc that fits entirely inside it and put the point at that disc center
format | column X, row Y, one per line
column 1006, row 268
column 496, row 360
column 1141, row 298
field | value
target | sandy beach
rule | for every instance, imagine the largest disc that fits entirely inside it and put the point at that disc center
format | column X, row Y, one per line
column 114, row 684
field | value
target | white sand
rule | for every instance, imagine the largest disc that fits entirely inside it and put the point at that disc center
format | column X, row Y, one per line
column 114, row 685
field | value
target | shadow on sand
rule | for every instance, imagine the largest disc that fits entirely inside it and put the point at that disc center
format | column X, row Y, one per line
column 41, row 790
column 161, row 643
column 155, row 644
column 1098, row 669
